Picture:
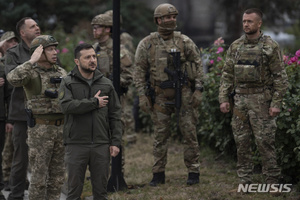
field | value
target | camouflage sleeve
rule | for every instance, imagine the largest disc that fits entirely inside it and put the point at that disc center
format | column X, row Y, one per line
column 280, row 79
column 126, row 62
column 227, row 78
column 141, row 67
column 21, row 75
column 193, row 54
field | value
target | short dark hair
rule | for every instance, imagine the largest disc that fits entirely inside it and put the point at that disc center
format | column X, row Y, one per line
column 80, row 47
column 20, row 23
column 254, row 10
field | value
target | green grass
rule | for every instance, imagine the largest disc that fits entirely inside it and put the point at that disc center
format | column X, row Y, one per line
column 217, row 177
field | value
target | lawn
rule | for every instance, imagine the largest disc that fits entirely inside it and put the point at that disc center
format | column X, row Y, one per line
column 218, row 177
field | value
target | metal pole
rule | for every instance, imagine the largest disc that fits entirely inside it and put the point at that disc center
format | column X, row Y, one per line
column 116, row 181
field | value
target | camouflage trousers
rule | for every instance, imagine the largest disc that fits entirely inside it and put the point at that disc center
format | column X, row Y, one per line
column 251, row 117
column 7, row 156
column 161, row 117
column 46, row 157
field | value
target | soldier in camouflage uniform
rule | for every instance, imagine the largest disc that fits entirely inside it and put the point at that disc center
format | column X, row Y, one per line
column 153, row 56
column 102, row 27
column 40, row 78
column 125, row 38
column 7, row 41
column 255, row 73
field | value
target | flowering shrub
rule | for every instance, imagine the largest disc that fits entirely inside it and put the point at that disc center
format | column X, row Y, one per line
column 288, row 122
column 214, row 127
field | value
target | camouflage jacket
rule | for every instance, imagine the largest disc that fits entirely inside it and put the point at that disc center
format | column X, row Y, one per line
column 152, row 55
column 254, row 64
column 15, row 56
column 40, row 88
column 85, row 122
column 104, row 53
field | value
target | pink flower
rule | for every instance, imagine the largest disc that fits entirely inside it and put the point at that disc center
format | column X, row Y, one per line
column 211, row 61
column 285, row 58
column 219, row 59
column 220, row 50
column 294, row 59
column 289, row 110
column 80, row 42
column 298, row 62
column 290, row 62
column 218, row 41
column 297, row 53
column 57, row 50
column 65, row 50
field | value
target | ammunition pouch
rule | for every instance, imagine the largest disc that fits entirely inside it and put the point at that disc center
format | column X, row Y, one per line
column 254, row 90
column 167, row 91
column 190, row 68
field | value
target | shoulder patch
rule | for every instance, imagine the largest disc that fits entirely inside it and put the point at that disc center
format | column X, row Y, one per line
column 61, row 94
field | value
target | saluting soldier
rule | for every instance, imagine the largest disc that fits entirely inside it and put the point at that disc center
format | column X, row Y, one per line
column 40, row 77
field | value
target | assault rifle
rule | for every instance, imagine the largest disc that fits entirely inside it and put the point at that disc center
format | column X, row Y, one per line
column 179, row 78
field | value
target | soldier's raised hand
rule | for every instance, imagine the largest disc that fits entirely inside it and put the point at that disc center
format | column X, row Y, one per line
column 36, row 55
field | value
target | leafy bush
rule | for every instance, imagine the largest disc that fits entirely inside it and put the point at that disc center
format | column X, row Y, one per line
column 288, row 122
column 214, row 127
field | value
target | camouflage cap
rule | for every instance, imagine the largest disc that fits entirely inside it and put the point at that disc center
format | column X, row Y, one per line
column 102, row 19
column 7, row 36
column 44, row 40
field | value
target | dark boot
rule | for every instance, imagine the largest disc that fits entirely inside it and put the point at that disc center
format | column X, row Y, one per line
column 193, row 178
column 158, row 178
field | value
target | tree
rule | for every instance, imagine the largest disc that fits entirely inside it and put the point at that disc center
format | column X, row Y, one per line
column 47, row 13
column 273, row 11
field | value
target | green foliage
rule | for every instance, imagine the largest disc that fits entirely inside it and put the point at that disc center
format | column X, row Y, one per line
column 288, row 122
column 214, row 127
